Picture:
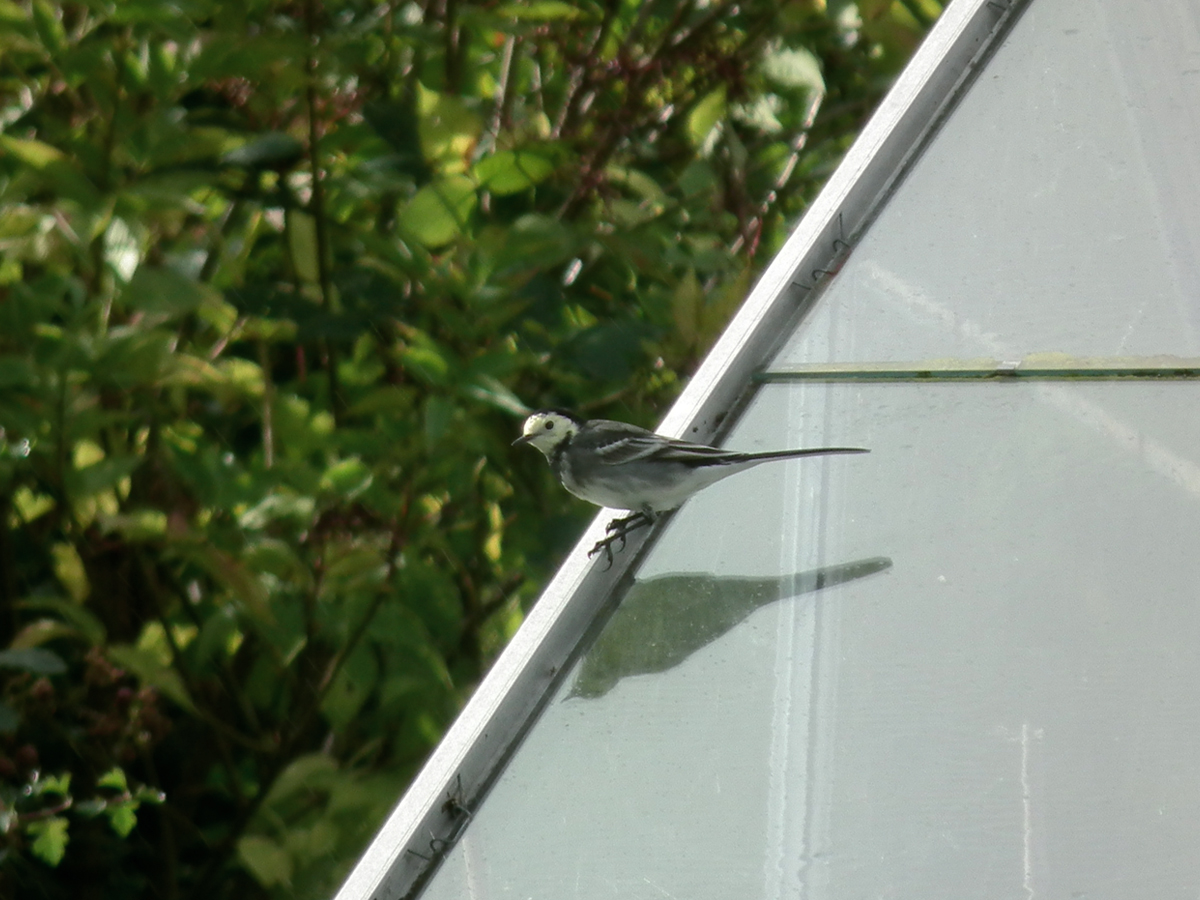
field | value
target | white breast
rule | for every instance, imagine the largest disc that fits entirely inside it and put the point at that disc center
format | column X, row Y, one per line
column 628, row 486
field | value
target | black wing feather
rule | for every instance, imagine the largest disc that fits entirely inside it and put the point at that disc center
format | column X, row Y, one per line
column 617, row 443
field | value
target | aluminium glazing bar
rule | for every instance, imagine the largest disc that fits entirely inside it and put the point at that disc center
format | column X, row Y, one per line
column 1049, row 367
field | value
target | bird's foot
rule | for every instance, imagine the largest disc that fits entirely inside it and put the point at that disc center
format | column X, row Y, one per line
column 606, row 546
column 617, row 530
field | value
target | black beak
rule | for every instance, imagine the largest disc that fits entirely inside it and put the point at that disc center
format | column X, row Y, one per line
column 523, row 439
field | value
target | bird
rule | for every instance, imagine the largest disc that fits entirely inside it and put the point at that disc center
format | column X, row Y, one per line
column 622, row 466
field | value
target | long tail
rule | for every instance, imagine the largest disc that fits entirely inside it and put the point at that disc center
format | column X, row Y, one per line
column 788, row 454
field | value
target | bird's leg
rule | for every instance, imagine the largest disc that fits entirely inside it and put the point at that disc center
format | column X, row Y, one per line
column 617, row 529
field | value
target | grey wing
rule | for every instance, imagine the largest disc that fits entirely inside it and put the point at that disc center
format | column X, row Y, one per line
column 616, row 443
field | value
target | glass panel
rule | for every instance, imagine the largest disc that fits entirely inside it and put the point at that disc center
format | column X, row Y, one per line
column 993, row 694
column 1058, row 209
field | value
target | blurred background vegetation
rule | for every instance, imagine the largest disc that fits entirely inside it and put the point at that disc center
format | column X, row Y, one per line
column 276, row 279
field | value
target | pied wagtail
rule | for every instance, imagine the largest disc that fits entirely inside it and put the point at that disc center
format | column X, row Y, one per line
column 622, row 466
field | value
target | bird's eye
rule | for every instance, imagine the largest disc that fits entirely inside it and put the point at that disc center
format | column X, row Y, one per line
column 549, row 426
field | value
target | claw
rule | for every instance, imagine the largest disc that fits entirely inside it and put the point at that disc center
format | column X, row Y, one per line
column 625, row 524
column 606, row 545
column 617, row 530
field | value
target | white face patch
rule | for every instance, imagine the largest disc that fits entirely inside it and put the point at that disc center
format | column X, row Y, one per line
column 546, row 430
column 531, row 424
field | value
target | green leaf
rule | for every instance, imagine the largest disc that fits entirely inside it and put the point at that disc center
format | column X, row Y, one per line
column 122, row 249
column 426, row 360
column 59, row 785
column 102, row 475
column 794, row 67
column 218, row 638
column 134, row 357
column 35, row 154
column 231, row 572
column 12, row 15
column 54, row 167
column 304, row 774
column 123, row 818
column 347, row 478
column 50, row 839
column 277, row 557
column 439, row 413
column 540, row 11
column 114, row 779
column 33, row 659
column 151, row 672
column 312, row 842
column 448, row 129
column 266, row 860
column 685, row 307
column 302, row 242
column 273, row 150
column 277, row 506
column 628, row 214
column 68, row 566
column 706, row 116
column 396, row 122
column 512, row 171
column 49, row 26
column 79, row 617
column 162, row 291
column 536, row 242
column 762, row 113
column 698, row 179
column 388, row 399
column 438, row 212
column 352, row 566
column 716, row 311
column 245, row 376
column 146, row 794
column 41, row 631
column 493, row 393
column 640, row 184
column 606, row 352
column 31, row 506
column 155, row 11
column 350, row 689
column 136, row 525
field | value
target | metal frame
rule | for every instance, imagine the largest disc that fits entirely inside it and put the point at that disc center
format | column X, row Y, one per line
column 1048, row 367
column 436, row 808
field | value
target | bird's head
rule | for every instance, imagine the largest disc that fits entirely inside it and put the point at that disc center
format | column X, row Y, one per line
column 546, row 429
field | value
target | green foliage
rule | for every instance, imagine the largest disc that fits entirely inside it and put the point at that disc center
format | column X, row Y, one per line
column 275, row 280
column 38, row 809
